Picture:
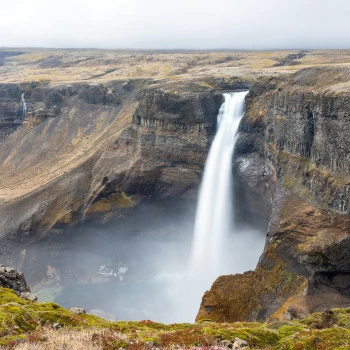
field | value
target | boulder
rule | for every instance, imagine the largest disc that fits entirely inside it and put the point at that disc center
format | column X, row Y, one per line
column 28, row 296
column 77, row 310
column 11, row 278
column 240, row 344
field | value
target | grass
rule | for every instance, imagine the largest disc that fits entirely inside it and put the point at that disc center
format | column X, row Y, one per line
column 95, row 65
column 27, row 325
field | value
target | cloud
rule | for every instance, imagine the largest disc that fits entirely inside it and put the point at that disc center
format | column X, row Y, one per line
column 171, row 24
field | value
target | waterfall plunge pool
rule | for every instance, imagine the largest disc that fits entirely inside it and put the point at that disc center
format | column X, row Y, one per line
column 149, row 265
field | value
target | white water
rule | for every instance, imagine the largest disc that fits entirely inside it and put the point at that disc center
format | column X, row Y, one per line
column 24, row 106
column 214, row 217
column 218, row 248
column 172, row 286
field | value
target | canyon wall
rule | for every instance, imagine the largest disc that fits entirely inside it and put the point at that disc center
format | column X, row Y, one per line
column 10, row 110
column 94, row 150
column 295, row 155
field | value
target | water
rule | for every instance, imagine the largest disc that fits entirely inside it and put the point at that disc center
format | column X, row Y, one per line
column 214, row 216
column 146, row 268
column 24, row 106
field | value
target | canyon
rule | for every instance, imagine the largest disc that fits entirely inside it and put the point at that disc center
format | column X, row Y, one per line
column 107, row 131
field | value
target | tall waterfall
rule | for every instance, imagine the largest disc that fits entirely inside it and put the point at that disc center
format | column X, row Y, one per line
column 24, row 106
column 214, row 217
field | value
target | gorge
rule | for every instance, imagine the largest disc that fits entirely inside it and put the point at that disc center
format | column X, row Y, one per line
column 101, row 152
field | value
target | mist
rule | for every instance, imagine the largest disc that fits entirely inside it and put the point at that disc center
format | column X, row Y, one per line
column 136, row 267
column 156, row 24
column 156, row 260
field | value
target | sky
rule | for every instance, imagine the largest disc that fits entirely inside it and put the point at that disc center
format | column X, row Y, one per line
column 176, row 24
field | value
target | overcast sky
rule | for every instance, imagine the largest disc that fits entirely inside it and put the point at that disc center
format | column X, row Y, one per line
column 171, row 24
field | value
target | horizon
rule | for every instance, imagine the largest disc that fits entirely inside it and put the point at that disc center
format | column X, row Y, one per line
column 177, row 25
column 169, row 50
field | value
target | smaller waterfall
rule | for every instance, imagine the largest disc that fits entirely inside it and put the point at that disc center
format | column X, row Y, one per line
column 214, row 217
column 24, row 107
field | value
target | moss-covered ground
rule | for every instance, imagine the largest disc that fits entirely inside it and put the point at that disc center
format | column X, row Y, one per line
column 26, row 325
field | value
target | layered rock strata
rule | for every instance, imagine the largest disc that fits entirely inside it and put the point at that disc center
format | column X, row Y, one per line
column 88, row 150
column 302, row 143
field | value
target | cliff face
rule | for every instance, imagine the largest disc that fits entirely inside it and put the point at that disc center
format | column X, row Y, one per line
column 307, row 128
column 295, row 155
column 10, row 112
column 45, row 164
column 162, row 152
column 88, row 150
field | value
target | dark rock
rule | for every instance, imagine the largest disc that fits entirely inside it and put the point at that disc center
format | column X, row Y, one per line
column 93, row 94
column 70, row 90
column 307, row 136
column 53, row 99
column 10, row 278
column 97, row 94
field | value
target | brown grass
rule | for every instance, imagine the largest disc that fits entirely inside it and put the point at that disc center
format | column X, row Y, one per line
column 50, row 339
column 94, row 65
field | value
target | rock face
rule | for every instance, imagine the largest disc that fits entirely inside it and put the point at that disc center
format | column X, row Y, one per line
column 100, row 154
column 10, row 278
column 10, row 112
column 163, row 151
column 302, row 143
column 307, row 137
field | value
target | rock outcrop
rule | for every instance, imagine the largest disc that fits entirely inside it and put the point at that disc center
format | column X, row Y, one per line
column 10, row 278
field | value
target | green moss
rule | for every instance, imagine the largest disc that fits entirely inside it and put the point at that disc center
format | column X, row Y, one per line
column 257, row 334
column 11, row 339
column 124, row 201
column 8, row 296
column 331, row 338
column 290, row 329
column 19, row 318
column 154, row 340
column 286, row 276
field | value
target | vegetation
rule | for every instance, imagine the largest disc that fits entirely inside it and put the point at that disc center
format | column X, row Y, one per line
column 47, row 65
column 27, row 325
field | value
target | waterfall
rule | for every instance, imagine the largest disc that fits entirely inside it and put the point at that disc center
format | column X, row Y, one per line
column 214, row 217
column 24, row 106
